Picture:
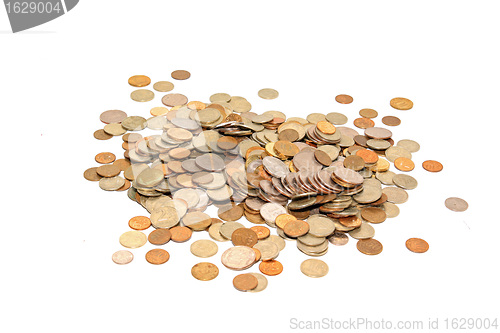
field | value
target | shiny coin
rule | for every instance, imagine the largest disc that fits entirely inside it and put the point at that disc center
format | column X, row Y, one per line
column 205, row 271
column 245, row 282
column 283, row 219
column 271, row 267
column 369, row 246
column 401, row 103
column 180, row 234
column 405, row 182
column 142, row 95
column 326, row 127
column 139, row 80
column 159, row 236
column 238, row 257
column 344, row 99
column 336, row 118
column 164, row 217
column 404, row 164
column 139, row 223
column 417, row 245
column 456, row 204
column 268, row 93
column 204, row 248
column 163, row 86
column 174, row 99
column 373, row 214
column 261, row 232
column 245, row 237
column 197, row 220
column 270, row 211
column 180, row 75
column 261, row 283
column 432, row 166
column 157, row 256
column 363, row 123
column 391, row 121
column 133, row 239
column 314, row 268
column 158, row 111
column 122, row 257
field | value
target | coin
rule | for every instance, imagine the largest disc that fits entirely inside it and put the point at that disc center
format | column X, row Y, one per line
column 164, row 217
column 174, row 99
column 363, row 123
column 404, row 164
column 268, row 249
column 180, row 234
column 197, row 220
column 338, row 238
column 205, row 271
column 270, row 211
column 114, row 129
column 378, row 133
column 369, row 156
column 456, row 204
column 296, row 228
column 401, row 103
column 133, row 239
column 180, row 75
column 204, row 248
column 112, row 116
column 214, row 232
column 91, row 174
column 432, row 166
column 220, row 97
column 139, row 223
column 157, row 256
column 238, row 257
column 373, row 214
column 314, row 268
column 405, row 182
column 268, row 93
column 245, row 237
column 417, row 245
column 134, row 123
column 395, row 195
column 122, row 164
column 159, row 236
column 283, row 219
column 232, row 213
column 105, row 158
column 101, row 135
column 262, row 232
column 271, row 267
column 390, row 209
column 139, row 80
column 261, row 283
column 111, row 183
column 322, row 157
column 228, row 228
column 142, row 95
column 391, row 121
column 326, row 127
column 368, row 113
column 336, row 118
column 354, row 162
column 122, row 257
column 364, row 231
column 163, row 86
column 409, row 145
column 245, row 282
column 344, row 99
column 395, row 152
column 369, row 246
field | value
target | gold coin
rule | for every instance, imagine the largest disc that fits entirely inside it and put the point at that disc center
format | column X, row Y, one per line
column 139, row 80
column 401, row 103
column 163, row 86
column 114, row 129
column 368, row 113
column 133, row 239
column 142, row 95
column 204, row 248
column 158, row 111
column 314, row 268
column 268, row 93
column 220, row 97
column 204, row 271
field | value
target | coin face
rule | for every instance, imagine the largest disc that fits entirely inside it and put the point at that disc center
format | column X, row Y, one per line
column 204, row 248
column 261, row 232
column 268, row 93
column 180, row 234
column 271, row 267
column 373, row 214
column 261, row 283
column 174, row 99
column 133, row 239
column 296, row 228
column 368, row 113
column 142, row 95
column 114, row 129
column 139, row 223
column 139, row 80
column 456, row 204
column 105, row 158
column 180, row 75
column 417, row 245
column 122, row 257
column 91, row 174
column 404, row 164
column 369, row 246
column 157, row 256
column 245, row 282
column 401, row 103
column 391, row 121
column 344, row 99
column 163, row 86
column 245, row 237
column 205, row 271
column 159, row 236
column 314, row 268
column 432, row 166
column 112, row 116
column 238, row 257
column 338, row 238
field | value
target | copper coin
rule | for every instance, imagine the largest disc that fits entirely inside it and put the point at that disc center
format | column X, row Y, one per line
column 227, row 142
column 432, row 166
column 108, row 170
column 363, row 122
column 369, row 156
column 369, row 246
column 92, row 175
column 101, row 135
column 322, row 157
column 112, row 116
column 180, row 234
column 157, row 256
column 181, row 75
column 122, row 163
column 122, row 257
column 373, row 214
column 159, row 236
column 344, row 99
column 456, row 204
column 174, row 99
column 286, row 148
column 401, row 103
column 131, row 137
column 296, row 228
column 391, row 121
column 245, row 282
column 205, row 271
column 231, row 214
column 326, row 127
column 105, row 158
column 139, row 80
column 262, row 232
column 245, row 237
column 417, row 245
column 271, row 267
column 139, row 223
column 283, row 219
column 350, row 221
column 368, row 113
column 404, row 164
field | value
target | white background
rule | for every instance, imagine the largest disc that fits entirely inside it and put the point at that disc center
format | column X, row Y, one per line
column 59, row 230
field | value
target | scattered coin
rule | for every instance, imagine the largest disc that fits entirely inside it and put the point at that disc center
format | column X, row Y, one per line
column 159, row 236
column 180, row 234
column 238, row 257
column 112, row 116
column 139, row 80
column 261, row 283
column 344, row 99
column 105, row 158
column 91, row 174
column 139, row 223
column 133, row 239
column 391, row 121
column 314, row 268
column 142, row 95
column 205, row 271
column 368, row 113
column 204, row 248
column 245, row 237
column 180, row 75
column 163, row 86
column 122, row 257
column 404, row 164
column 271, row 267
column 417, row 245
column 245, row 282
column 432, row 166
column 114, row 129
column 401, row 103
column 101, row 135
column 456, row 204
column 369, row 246
column 157, row 256
column 268, row 93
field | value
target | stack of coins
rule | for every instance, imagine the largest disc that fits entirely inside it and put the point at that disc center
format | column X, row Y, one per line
column 313, row 180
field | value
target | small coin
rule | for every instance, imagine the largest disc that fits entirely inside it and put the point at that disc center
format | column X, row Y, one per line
column 114, row 129
column 336, row 118
column 271, row 267
column 205, row 271
column 417, row 245
column 101, row 135
column 231, row 213
column 390, row 209
column 220, row 97
column 268, row 93
column 262, row 232
column 322, row 157
column 238, row 257
column 134, row 123
column 373, row 214
column 395, row 195
column 92, row 175
column 197, row 221
column 111, row 183
column 133, row 239
column 204, row 248
column 456, row 204
column 314, row 268
column 228, row 228
column 283, row 219
column 139, row 80
column 369, row 246
column 174, row 99
column 344, row 99
column 122, row 257
column 364, row 123
column 180, row 75
column 142, row 95
column 139, row 223
column 164, row 217
column 401, row 103
column 404, row 164
column 405, row 182
column 245, row 237
column 326, row 127
column 112, row 116
column 268, row 249
column 432, row 166
column 245, row 282
column 288, row 135
column 157, row 256
column 159, row 236
column 262, row 283
column 368, row 113
column 296, row 228
column 105, row 158
column 391, row 121
column 338, row 238
column 180, row 234
column 365, row 231
column 163, row 86
column 409, row 145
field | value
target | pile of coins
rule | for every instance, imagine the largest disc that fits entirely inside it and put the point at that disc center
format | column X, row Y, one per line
column 310, row 179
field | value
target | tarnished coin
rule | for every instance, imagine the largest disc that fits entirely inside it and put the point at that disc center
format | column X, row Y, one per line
column 268, row 249
column 417, row 245
column 401, row 103
column 139, row 80
column 92, row 175
column 245, row 237
column 271, row 267
column 404, row 164
column 262, row 283
column 205, row 271
column 180, row 234
column 432, row 166
column 157, row 256
column 391, row 121
column 100, row 134
column 369, row 246
column 344, row 99
column 231, row 213
column 180, row 75
column 338, row 238
column 112, row 116
column 163, row 86
column 204, row 248
column 133, row 239
column 238, row 257
column 456, row 204
column 314, row 268
column 159, row 236
column 111, row 183
column 139, row 223
column 122, row 257
column 322, row 157
column 268, row 93
column 164, row 217
column 405, row 182
column 245, row 282
column 174, row 99
column 142, row 95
